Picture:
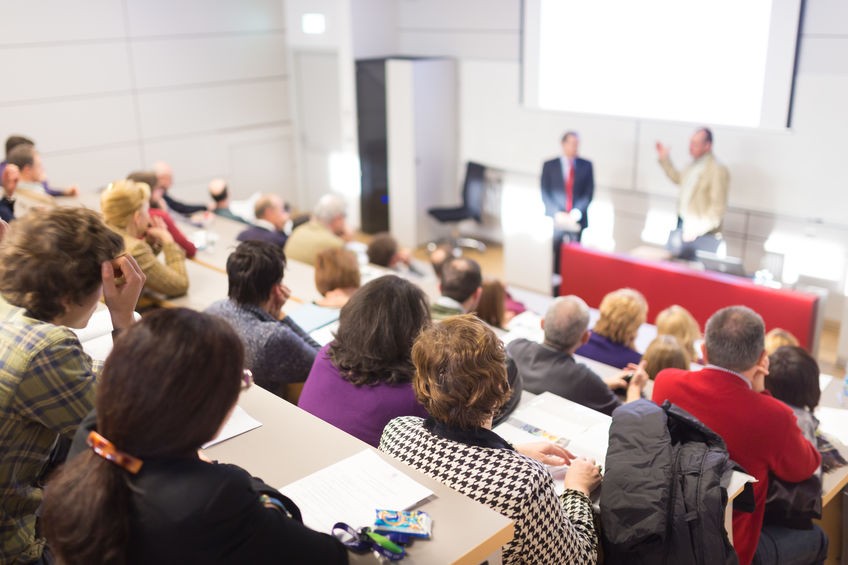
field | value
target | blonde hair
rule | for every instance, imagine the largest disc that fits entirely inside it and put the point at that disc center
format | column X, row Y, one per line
column 622, row 312
column 676, row 321
column 778, row 337
column 121, row 200
column 664, row 352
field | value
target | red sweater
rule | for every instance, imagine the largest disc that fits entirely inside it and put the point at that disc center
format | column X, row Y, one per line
column 761, row 434
column 179, row 238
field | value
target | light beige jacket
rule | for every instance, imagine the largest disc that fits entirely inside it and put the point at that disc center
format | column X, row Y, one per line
column 708, row 201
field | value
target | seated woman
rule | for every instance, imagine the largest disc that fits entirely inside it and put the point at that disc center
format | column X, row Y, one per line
column 336, row 276
column 142, row 493
column 664, row 352
column 125, row 205
column 613, row 337
column 678, row 322
column 362, row 379
column 158, row 209
column 54, row 267
column 778, row 337
column 793, row 378
column 461, row 381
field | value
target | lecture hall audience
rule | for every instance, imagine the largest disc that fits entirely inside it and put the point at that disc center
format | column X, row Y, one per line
column 126, row 209
column 165, row 177
column 461, row 381
column 272, row 215
column 141, row 493
column 550, row 366
column 326, row 229
column 614, row 335
column 277, row 350
column 21, row 152
column 337, row 276
column 460, row 287
column 677, row 321
column 158, row 210
column 761, row 433
column 54, row 267
column 362, row 379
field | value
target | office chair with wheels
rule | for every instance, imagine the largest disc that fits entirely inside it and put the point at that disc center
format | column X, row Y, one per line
column 473, row 193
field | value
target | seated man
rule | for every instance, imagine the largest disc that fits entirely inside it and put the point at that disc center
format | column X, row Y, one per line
column 325, row 230
column 165, row 177
column 220, row 194
column 277, row 350
column 35, row 178
column 550, row 366
column 761, row 432
column 460, row 287
column 10, row 178
column 271, row 218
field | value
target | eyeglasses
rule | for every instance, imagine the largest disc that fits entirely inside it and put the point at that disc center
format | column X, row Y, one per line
column 246, row 379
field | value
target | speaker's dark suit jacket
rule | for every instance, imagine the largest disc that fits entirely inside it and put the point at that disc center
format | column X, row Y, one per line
column 553, row 187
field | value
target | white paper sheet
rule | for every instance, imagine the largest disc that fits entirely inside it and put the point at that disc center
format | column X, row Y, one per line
column 239, row 423
column 833, row 422
column 824, row 380
column 351, row 490
column 325, row 335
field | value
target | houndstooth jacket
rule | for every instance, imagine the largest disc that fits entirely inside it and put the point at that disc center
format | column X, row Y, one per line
column 548, row 529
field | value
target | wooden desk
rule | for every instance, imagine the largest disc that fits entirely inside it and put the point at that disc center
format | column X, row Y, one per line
column 833, row 507
column 292, row 444
column 205, row 286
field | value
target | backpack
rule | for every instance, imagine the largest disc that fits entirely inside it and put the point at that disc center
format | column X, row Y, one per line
column 664, row 491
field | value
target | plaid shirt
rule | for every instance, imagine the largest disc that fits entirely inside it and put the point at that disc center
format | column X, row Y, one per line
column 46, row 388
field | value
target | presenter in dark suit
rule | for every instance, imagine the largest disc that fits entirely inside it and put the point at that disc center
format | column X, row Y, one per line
column 568, row 184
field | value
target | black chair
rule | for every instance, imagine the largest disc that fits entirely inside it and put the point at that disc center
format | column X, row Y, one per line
column 473, row 194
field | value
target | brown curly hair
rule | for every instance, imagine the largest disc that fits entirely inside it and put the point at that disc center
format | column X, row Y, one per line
column 55, row 255
column 622, row 312
column 460, row 371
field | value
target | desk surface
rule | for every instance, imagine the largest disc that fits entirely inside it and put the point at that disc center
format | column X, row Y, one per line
column 292, row 443
column 836, row 480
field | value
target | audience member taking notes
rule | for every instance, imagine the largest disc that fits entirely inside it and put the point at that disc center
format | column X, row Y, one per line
column 125, row 205
column 277, row 350
column 461, row 381
column 761, row 433
column 363, row 378
column 54, row 267
column 551, row 367
column 139, row 492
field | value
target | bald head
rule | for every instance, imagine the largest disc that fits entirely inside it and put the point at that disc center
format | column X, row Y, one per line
column 566, row 321
column 219, row 193
column 164, row 173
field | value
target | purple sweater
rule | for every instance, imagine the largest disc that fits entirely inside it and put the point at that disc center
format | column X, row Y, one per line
column 605, row 351
column 362, row 411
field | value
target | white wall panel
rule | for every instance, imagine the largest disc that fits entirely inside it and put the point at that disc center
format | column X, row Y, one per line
column 94, row 168
column 817, row 55
column 826, row 17
column 186, row 61
column 51, row 21
column 468, row 15
column 501, row 46
column 201, row 109
column 72, row 124
column 496, row 130
column 263, row 166
column 166, row 17
column 48, row 72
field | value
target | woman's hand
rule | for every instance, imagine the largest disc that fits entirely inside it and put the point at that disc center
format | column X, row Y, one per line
column 583, row 475
column 158, row 231
column 545, row 452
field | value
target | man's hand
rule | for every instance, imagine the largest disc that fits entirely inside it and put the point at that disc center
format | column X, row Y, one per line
column 11, row 176
column 122, row 284
column 663, row 151
column 72, row 190
column 546, row 452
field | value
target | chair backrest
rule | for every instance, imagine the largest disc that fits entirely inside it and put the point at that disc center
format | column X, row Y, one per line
column 474, row 190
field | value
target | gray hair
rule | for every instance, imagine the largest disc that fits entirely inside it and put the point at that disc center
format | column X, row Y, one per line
column 566, row 320
column 329, row 207
column 735, row 338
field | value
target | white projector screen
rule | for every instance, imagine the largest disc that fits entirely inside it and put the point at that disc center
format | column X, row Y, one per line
column 723, row 62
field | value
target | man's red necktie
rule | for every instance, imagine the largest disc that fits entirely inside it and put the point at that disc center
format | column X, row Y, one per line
column 569, row 187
